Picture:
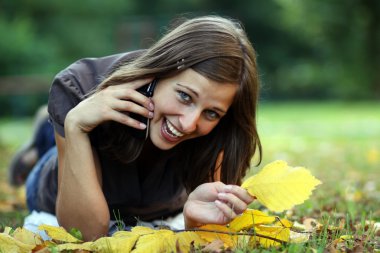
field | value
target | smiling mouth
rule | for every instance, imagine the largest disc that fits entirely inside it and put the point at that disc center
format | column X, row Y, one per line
column 170, row 132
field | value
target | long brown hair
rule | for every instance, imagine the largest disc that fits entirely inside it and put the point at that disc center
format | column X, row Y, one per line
column 217, row 48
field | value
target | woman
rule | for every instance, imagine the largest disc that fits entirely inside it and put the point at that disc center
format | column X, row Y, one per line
column 189, row 155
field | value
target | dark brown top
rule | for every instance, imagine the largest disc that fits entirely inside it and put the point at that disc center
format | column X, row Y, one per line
column 138, row 189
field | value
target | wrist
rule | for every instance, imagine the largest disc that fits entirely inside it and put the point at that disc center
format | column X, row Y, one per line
column 72, row 124
column 190, row 222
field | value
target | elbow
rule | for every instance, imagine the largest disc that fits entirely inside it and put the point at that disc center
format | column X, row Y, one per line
column 91, row 225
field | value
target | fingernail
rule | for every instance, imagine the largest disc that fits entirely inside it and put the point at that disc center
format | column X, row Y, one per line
column 150, row 114
column 142, row 125
column 151, row 106
column 221, row 194
column 228, row 187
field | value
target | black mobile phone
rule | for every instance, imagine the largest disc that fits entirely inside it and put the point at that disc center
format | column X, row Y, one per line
column 147, row 90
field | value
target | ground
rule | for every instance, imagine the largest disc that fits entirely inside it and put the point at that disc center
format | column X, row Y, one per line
column 338, row 142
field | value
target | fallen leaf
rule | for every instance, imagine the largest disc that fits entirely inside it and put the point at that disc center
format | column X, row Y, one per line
column 273, row 235
column 75, row 246
column 26, row 236
column 140, row 230
column 7, row 230
column 312, row 225
column 58, row 233
column 249, row 218
column 186, row 239
column 9, row 244
column 160, row 241
column 215, row 246
column 296, row 237
column 279, row 233
column 115, row 243
column 218, row 232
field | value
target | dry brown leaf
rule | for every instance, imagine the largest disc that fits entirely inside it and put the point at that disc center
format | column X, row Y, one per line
column 215, row 246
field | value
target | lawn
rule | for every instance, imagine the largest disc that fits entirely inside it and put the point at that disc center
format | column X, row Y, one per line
column 338, row 142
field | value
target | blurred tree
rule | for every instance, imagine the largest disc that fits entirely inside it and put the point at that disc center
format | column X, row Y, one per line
column 345, row 47
column 22, row 52
column 306, row 49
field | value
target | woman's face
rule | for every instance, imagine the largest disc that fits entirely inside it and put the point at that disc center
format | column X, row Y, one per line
column 187, row 106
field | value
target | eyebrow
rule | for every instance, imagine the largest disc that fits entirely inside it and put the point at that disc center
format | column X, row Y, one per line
column 219, row 110
column 197, row 95
column 189, row 88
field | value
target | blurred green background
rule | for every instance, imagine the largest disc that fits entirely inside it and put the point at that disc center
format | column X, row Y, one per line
column 318, row 50
column 319, row 66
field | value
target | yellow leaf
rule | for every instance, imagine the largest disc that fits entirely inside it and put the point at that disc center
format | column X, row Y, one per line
column 284, row 222
column 218, row 232
column 140, row 230
column 159, row 241
column 279, row 187
column 11, row 245
column 123, row 233
column 75, row 246
column 58, row 233
column 346, row 237
column 249, row 218
column 26, row 236
column 115, row 243
column 276, row 232
column 7, row 230
column 185, row 239
column 296, row 237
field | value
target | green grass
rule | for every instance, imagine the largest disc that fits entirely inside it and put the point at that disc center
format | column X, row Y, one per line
column 13, row 133
column 338, row 142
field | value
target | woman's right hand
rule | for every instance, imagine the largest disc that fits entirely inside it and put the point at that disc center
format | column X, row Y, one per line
column 113, row 103
column 215, row 203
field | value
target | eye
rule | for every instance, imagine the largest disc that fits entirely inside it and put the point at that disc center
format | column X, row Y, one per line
column 212, row 115
column 184, row 97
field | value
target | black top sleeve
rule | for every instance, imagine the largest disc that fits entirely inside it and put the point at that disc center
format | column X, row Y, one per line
column 72, row 84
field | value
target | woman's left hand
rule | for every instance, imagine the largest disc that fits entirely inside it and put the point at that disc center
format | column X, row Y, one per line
column 215, row 203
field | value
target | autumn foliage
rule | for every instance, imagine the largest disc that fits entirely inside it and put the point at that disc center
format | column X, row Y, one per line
column 277, row 186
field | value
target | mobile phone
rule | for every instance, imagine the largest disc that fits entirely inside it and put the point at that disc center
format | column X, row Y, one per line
column 147, row 90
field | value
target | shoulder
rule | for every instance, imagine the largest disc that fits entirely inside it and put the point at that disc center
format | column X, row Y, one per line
column 87, row 73
column 70, row 86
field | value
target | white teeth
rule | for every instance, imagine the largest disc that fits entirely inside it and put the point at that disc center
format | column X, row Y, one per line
column 173, row 130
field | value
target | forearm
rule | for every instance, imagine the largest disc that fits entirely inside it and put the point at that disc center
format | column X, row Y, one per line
column 80, row 203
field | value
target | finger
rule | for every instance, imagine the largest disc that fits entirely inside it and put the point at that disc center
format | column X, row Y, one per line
column 135, row 84
column 227, row 211
column 240, row 192
column 131, row 95
column 129, row 106
column 126, row 120
column 218, row 186
column 232, row 200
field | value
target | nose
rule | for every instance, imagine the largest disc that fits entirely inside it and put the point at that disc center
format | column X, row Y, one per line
column 189, row 121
